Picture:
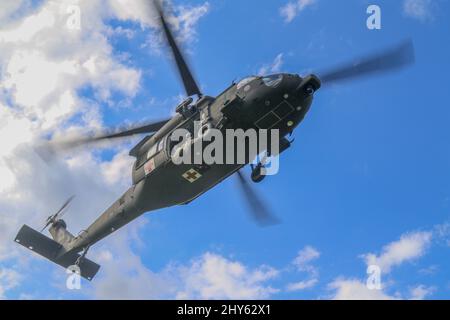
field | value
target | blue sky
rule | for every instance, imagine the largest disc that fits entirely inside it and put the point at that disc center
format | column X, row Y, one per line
column 366, row 182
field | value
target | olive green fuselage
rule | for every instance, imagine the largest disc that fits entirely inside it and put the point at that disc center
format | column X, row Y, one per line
column 275, row 102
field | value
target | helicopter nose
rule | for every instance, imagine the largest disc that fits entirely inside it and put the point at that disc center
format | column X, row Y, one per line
column 308, row 85
column 297, row 99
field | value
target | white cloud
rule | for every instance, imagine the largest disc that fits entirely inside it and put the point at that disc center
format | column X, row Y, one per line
column 137, row 10
column 41, row 46
column 118, row 171
column 293, row 8
column 442, row 233
column 10, row 9
column 123, row 274
column 354, row 289
column 43, row 65
column 303, row 263
column 421, row 292
column 183, row 20
column 418, row 9
column 410, row 246
column 209, row 276
column 186, row 19
column 9, row 279
column 215, row 277
column 305, row 257
column 430, row 270
column 274, row 67
column 30, row 26
column 302, row 285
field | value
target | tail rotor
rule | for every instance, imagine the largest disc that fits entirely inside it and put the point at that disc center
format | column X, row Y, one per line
column 58, row 215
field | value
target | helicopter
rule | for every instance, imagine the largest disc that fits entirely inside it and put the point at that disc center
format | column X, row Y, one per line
column 270, row 102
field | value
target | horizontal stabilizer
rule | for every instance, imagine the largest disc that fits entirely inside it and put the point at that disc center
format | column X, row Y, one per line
column 50, row 249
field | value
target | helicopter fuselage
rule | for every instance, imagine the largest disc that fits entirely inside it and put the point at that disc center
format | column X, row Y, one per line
column 261, row 103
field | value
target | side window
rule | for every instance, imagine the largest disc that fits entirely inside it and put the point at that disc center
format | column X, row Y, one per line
column 171, row 143
column 161, row 144
column 153, row 150
column 141, row 160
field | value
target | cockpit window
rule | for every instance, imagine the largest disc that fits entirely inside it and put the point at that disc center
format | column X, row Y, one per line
column 273, row 80
column 245, row 81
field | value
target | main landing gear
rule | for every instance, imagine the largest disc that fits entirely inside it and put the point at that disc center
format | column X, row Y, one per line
column 81, row 257
column 257, row 175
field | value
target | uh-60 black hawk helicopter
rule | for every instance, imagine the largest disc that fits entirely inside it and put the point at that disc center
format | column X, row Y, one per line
column 278, row 101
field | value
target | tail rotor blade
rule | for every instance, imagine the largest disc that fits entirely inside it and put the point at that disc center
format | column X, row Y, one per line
column 60, row 213
column 49, row 221
column 259, row 210
column 395, row 58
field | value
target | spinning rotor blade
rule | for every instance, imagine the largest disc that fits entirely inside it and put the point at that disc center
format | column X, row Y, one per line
column 190, row 85
column 59, row 214
column 148, row 128
column 112, row 134
column 395, row 58
column 258, row 208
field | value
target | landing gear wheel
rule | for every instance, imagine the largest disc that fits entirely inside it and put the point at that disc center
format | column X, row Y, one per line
column 257, row 175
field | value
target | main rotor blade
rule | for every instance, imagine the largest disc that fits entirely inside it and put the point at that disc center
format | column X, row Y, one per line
column 147, row 128
column 258, row 208
column 395, row 58
column 112, row 134
column 190, row 85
